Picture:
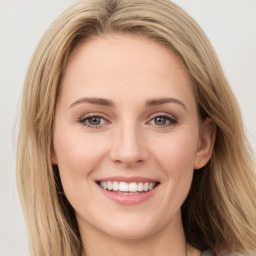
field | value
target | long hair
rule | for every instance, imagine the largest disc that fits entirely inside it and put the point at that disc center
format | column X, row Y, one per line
column 220, row 210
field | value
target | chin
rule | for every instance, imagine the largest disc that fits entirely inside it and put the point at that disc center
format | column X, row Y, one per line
column 131, row 232
column 134, row 226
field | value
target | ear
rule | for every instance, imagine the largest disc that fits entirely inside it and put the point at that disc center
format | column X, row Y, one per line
column 205, row 144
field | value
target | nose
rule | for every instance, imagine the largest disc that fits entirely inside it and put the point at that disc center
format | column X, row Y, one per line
column 128, row 148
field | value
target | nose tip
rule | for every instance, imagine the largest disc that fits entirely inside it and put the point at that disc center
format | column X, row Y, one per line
column 128, row 151
column 128, row 159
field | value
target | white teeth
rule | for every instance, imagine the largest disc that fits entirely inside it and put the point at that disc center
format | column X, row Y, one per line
column 115, row 186
column 145, row 187
column 150, row 186
column 132, row 187
column 105, row 185
column 140, row 186
column 110, row 186
column 123, row 186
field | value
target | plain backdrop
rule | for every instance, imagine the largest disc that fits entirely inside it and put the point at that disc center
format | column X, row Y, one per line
column 230, row 25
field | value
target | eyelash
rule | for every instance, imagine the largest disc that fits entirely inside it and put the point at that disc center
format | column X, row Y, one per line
column 168, row 118
column 84, row 121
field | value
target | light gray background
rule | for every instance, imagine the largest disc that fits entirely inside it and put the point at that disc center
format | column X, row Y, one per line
column 230, row 25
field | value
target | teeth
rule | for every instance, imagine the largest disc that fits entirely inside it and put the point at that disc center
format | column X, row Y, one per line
column 123, row 186
column 105, row 185
column 150, row 186
column 115, row 185
column 140, row 186
column 145, row 187
column 132, row 187
column 110, row 186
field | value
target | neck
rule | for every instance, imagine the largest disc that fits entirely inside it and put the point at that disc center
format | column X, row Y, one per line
column 168, row 241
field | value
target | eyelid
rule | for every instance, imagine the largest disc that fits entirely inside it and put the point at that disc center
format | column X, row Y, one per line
column 156, row 114
column 84, row 117
column 92, row 114
column 172, row 119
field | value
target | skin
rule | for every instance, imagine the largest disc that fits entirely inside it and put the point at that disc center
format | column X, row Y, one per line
column 129, row 71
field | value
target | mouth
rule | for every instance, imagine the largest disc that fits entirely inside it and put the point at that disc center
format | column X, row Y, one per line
column 127, row 188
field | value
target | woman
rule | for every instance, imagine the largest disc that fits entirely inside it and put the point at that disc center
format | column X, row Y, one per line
column 131, row 141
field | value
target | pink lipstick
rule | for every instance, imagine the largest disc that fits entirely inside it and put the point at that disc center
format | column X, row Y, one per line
column 128, row 190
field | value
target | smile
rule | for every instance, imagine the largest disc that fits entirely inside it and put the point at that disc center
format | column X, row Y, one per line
column 127, row 188
column 128, row 191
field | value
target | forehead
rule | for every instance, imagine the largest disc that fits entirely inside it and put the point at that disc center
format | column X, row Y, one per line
column 122, row 65
column 126, row 48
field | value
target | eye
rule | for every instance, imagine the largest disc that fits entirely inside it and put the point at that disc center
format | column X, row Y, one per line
column 163, row 120
column 93, row 121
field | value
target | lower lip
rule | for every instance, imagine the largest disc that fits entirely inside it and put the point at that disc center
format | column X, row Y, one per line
column 128, row 199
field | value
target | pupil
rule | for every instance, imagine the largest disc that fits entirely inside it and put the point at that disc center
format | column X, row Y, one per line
column 94, row 120
column 160, row 120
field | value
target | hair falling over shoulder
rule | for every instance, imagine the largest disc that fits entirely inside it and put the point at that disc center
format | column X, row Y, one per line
column 220, row 210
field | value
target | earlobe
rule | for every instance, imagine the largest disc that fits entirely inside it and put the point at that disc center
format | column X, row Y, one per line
column 205, row 143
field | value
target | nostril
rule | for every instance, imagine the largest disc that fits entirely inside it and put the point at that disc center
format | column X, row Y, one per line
column 129, row 162
column 128, row 151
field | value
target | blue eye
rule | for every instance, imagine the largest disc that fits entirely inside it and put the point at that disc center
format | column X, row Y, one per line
column 163, row 120
column 93, row 121
column 160, row 120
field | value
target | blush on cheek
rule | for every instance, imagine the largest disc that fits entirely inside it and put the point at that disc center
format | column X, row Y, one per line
column 178, row 154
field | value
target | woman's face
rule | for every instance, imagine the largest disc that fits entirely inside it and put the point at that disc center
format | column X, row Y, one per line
column 126, row 136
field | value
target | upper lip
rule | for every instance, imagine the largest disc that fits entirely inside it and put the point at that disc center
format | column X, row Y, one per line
column 127, row 179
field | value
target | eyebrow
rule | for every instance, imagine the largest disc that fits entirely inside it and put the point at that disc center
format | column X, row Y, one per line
column 95, row 101
column 109, row 103
column 161, row 101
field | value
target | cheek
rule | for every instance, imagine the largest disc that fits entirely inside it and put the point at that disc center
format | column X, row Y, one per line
column 175, row 155
column 177, row 152
column 77, row 155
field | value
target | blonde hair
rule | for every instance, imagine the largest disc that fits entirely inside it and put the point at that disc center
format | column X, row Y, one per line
column 220, row 210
